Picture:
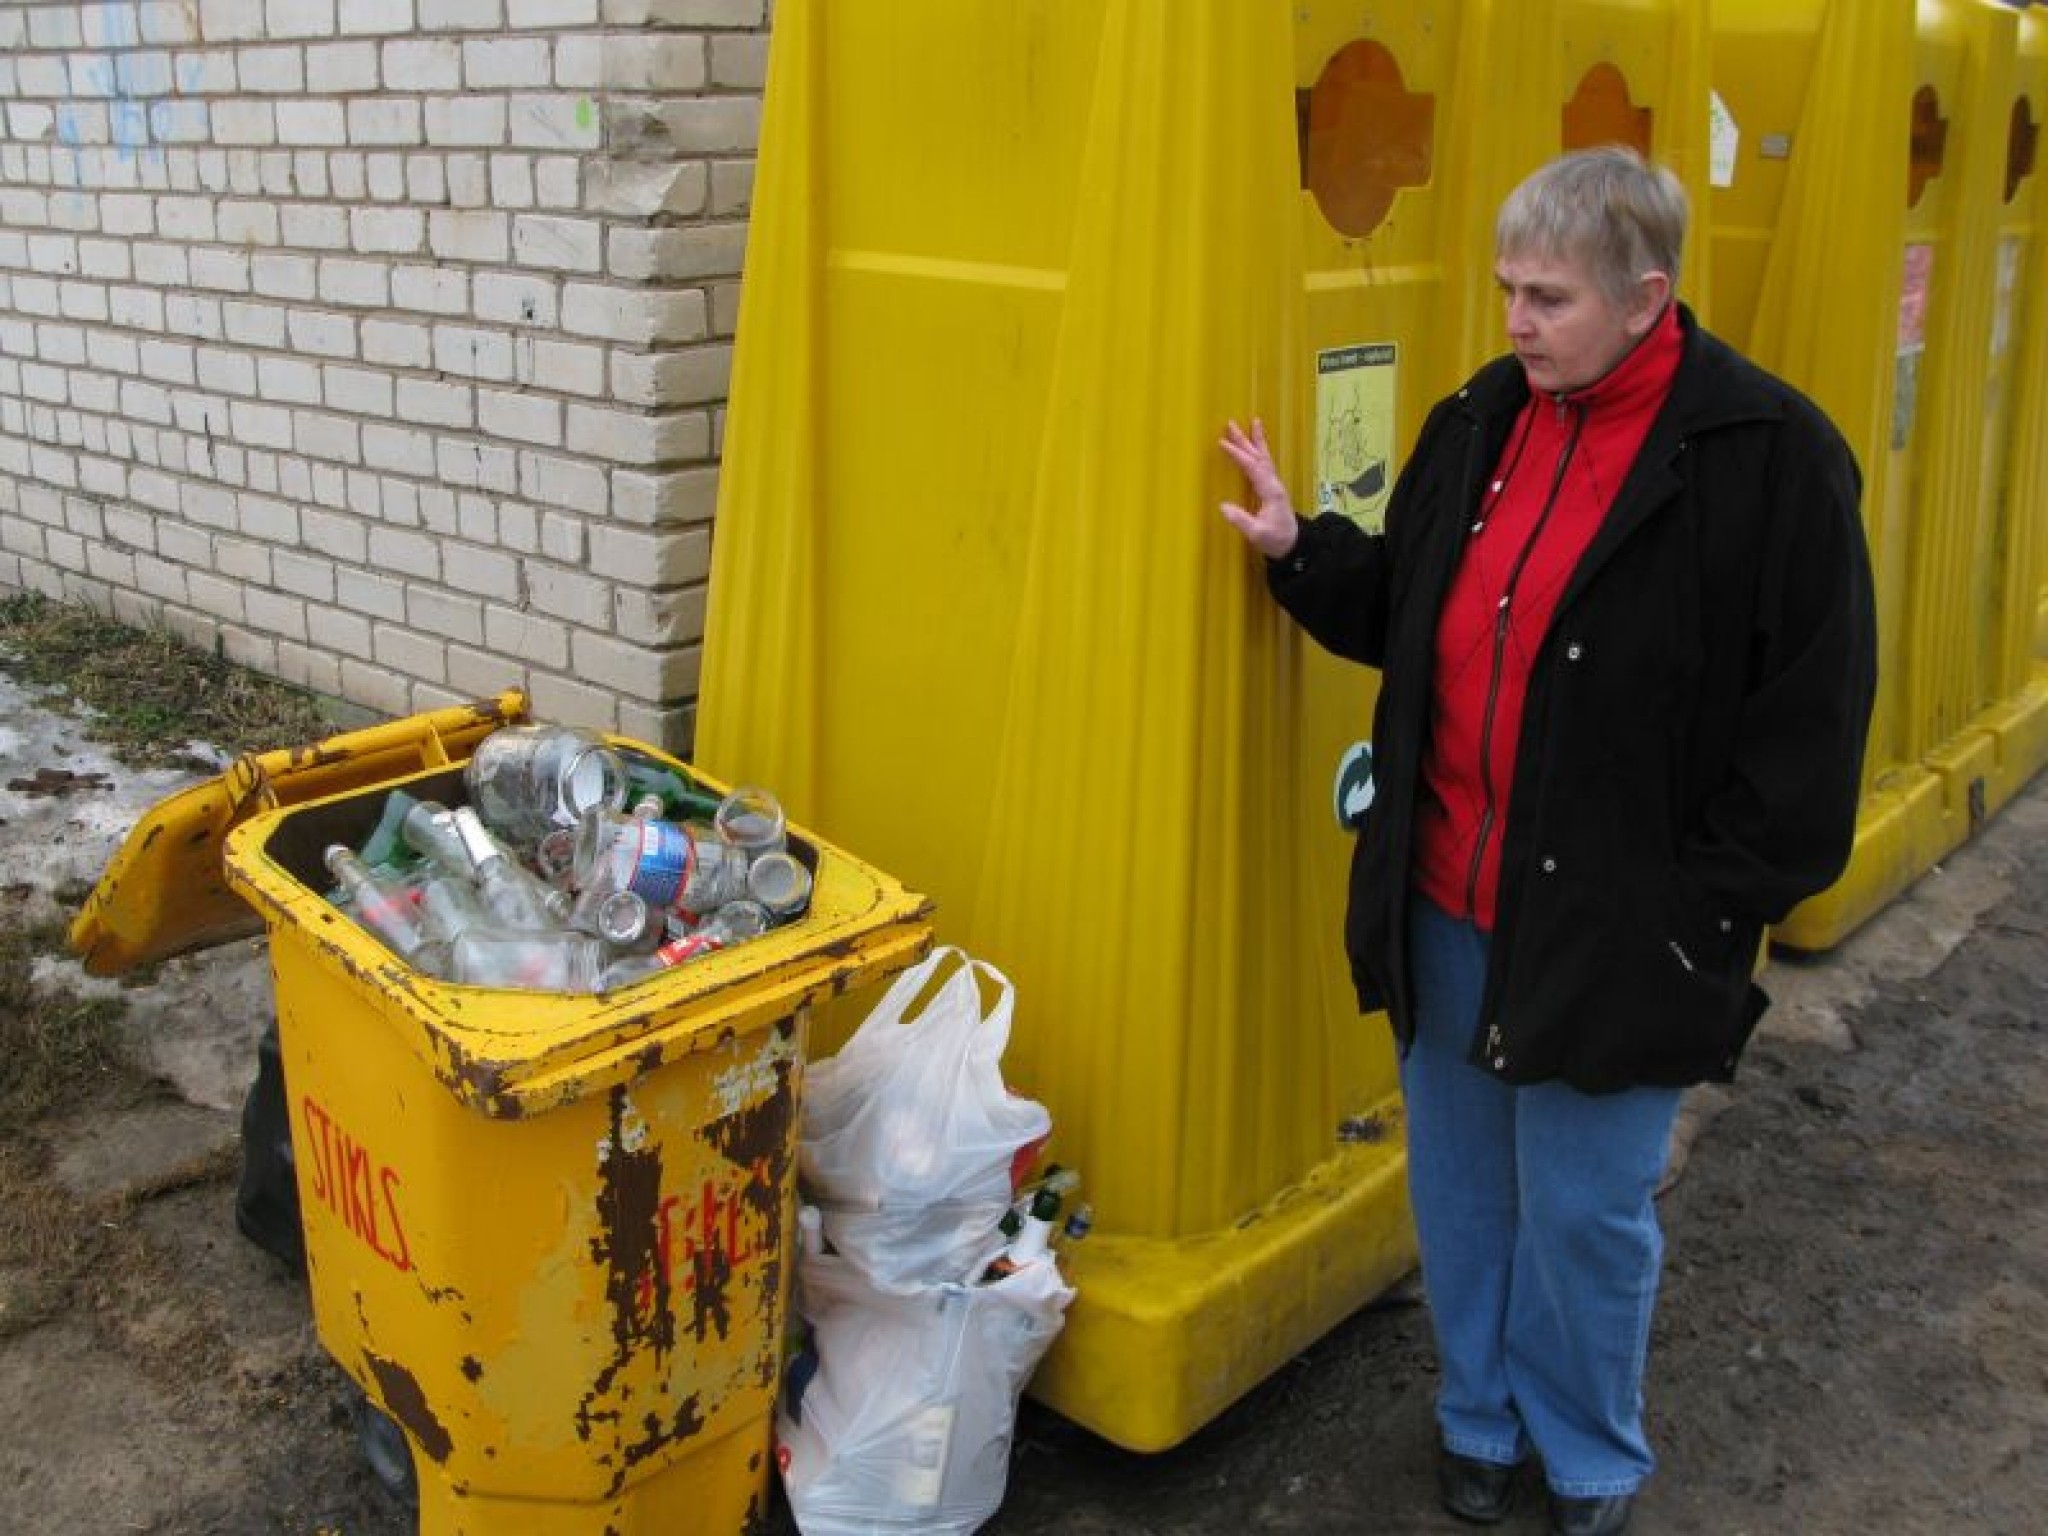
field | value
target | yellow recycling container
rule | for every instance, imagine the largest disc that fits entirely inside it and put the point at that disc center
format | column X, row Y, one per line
column 546, row 1234
column 1009, row 269
column 1891, row 295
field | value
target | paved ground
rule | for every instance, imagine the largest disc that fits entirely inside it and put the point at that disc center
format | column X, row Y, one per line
column 1854, row 1336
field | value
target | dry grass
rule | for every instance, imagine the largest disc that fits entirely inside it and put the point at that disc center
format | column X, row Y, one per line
column 150, row 699
column 149, row 695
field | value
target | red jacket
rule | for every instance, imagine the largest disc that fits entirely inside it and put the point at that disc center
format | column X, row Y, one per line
column 1546, row 498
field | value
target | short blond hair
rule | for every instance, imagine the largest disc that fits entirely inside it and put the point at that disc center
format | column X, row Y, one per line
column 1607, row 207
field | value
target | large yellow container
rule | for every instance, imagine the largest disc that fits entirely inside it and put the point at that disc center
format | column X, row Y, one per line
column 1010, row 268
column 547, row 1234
column 1878, row 291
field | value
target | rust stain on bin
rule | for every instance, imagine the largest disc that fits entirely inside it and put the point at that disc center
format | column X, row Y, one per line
column 406, row 1403
column 628, row 1241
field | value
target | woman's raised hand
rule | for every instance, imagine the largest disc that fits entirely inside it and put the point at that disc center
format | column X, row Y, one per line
column 1270, row 525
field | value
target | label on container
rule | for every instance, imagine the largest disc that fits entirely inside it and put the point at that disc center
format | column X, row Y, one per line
column 655, row 861
column 1355, row 432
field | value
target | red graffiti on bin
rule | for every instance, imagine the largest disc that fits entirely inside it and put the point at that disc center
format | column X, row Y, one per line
column 353, row 1183
column 699, row 1241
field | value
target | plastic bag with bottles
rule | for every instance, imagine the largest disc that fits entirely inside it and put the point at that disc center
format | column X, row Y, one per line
column 928, row 1283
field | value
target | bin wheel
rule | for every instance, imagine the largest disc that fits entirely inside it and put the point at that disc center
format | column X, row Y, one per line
column 387, row 1451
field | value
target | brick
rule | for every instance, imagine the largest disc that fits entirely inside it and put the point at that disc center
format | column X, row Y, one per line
column 426, row 179
column 358, row 18
column 226, row 372
column 465, row 120
column 224, row 271
column 685, row 13
column 344, row 538
column 732, row 189
column 572, row 702
column 672, row 728
column 631, row 437
column 455, row 234
column 415, row 655
column 567, row 120
column 275, row 613
column 247, row 223
column 661, row 62
column 311, row 122
column 369, row 592
column 639, row 671
column 551, row 13
column 339, row 69
column 579, row 62
column 506, row 63
column 527, row 636
column 271, row 71
column 316, row 228
column 470, row 353
column 362, row 284
column 559, row 244
column 305, row 666
column 558, row 181
column 376, row 687
column 445, row 614
column 512, row 181
column 244, row 122
column 359, row 391
column 569, row 595
column 211, row 595
column 429, row 402
column 402, row 552
column 433, row 290
column 336, row 630
column 679, row 496
column 520, row 417
column 383, row 120
column 558, row 482
column 637, row 316
column 255, row 325
column 692, row 376
column 397, row 344
column 567, row 367
column 642, row 189
column 263, row 426
column 324, row 436
column 388, row 231
column 423, row 64
column 740, row 61
column 650, row 557
column 516, row 299
column 316, row 331
column 385, row 174
column 268, row 518
column 398, row 449
column 288, row 380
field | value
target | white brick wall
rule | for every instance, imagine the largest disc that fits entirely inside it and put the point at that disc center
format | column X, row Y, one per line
column 380, row 343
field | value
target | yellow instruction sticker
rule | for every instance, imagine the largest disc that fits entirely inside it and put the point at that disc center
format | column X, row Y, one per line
column 1355, row 432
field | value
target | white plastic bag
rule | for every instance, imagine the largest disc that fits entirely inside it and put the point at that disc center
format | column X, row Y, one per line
column 909, row 1137
column 906, row 1422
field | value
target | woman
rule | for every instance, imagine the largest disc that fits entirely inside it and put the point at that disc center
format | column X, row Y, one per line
column 1622, row 611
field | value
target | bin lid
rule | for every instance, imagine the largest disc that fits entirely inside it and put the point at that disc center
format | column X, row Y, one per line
column 165, row 891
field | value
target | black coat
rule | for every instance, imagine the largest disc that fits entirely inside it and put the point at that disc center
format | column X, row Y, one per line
column 1691, row 749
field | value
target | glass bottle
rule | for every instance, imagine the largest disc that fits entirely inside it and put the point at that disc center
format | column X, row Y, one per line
column 514, row 898
column 383, row 907
column 560, row 960
column 525, row 779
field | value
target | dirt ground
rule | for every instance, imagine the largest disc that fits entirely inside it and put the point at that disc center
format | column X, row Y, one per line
column 1853, row 1335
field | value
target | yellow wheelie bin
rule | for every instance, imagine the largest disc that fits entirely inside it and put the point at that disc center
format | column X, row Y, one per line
column 546, row 1234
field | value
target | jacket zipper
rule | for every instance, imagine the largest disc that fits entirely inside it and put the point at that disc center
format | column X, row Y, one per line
column 1490, row 808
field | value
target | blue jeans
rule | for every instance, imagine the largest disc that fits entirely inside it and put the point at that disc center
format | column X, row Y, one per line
column 1536, row 1211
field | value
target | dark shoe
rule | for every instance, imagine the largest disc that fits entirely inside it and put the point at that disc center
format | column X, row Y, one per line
column 1482, row 1492
column 1591, row 1517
